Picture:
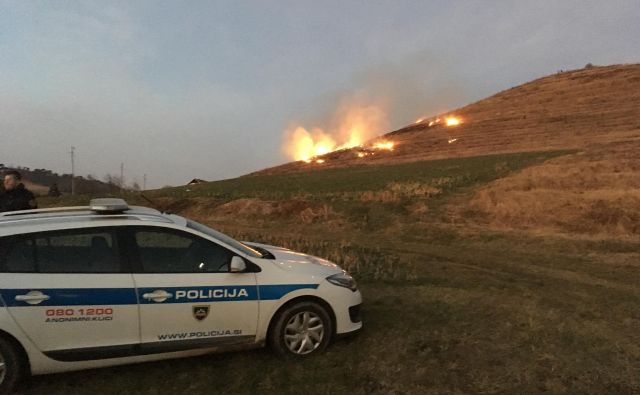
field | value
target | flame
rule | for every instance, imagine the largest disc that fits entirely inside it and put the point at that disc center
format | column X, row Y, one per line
column 352, row 125
column 319, row 160
column 384, row 144
column 308, row 144
column 361, row 154
column 452, row 121
column 452, row 141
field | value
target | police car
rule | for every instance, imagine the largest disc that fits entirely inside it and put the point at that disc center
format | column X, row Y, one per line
column 109, row 284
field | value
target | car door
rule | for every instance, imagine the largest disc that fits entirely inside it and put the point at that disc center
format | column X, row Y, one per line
column 71, row 292
column 188, row 298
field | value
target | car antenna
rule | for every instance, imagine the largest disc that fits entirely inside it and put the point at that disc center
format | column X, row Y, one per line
column 154, row 204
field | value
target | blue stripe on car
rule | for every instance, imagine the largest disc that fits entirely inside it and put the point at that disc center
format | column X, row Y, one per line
column 74, row 296
column 275, row 292
column 127, row 296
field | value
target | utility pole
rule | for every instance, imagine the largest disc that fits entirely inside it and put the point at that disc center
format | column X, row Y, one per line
column 121, row 176
column 73, row 171
column 144, row 182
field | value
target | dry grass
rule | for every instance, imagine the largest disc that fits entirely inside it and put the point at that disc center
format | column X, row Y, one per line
column 398, row 191
column 595, row 192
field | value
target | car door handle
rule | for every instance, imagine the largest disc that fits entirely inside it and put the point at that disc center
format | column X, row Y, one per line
column 33, row 297
column 157, row 296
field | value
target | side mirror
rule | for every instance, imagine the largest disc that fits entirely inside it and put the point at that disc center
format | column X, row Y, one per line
column 237, row 265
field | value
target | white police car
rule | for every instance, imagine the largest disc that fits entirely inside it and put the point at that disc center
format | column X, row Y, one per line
column 109, row 284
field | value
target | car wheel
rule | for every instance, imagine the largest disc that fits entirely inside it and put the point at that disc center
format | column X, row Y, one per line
column 300, row 330
column 11, row 368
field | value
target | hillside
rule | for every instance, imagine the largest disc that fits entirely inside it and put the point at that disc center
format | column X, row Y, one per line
column 593, row 192
column 590, row 191
column 569, row 110
column 39, row 181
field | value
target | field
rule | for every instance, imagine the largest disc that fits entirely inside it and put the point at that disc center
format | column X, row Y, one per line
column 455, row 300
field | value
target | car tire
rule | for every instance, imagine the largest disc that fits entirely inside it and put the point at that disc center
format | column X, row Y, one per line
column 11, row 366
column 301, row 330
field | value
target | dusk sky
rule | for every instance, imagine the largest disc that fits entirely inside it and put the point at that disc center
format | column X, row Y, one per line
column 184, row 89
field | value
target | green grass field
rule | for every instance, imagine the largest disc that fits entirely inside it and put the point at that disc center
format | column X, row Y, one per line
column 449, row 308
column 454, row 173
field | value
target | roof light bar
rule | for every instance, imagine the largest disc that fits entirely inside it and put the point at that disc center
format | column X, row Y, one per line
column 108, row 205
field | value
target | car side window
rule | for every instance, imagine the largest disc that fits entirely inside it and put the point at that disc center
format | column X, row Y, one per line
column 169, row 251
column 77, row 251
column 17, row 255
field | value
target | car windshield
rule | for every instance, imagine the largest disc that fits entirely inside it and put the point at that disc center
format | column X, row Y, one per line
column 224, row 238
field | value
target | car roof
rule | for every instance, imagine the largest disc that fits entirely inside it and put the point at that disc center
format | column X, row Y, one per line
column 100, row 212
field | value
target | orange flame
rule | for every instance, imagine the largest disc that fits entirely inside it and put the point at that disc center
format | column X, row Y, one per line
column 452, row 121
column 384, row 144
column 353, row 125
column 305, row 145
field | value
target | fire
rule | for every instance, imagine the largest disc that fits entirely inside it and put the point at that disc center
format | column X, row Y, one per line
column 384, row 144
column 451, row 141
column 308, row 145
column 452, row 121
column 320, row 161
column 351, row 126
column 449, row 121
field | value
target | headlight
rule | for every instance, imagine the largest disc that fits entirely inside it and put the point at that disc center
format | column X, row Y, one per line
column 343, row 280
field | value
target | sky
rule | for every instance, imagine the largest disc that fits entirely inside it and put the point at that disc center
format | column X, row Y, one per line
column 184, row 89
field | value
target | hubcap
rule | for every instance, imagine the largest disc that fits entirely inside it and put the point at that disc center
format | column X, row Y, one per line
column 3, row 368
column 304, row 332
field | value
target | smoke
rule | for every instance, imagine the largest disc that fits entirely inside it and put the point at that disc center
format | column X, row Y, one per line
column 384, row 97
column 418, row 85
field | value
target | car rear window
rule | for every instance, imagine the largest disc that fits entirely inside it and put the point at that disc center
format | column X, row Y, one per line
column 17, row 255
column 77, row 252
column 91, row 250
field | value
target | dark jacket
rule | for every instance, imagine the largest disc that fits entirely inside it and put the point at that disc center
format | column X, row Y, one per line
column 19, row 198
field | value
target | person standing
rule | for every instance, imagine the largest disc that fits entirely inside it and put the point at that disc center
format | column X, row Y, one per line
column 16, row 196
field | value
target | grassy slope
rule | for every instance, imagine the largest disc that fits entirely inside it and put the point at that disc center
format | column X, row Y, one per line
column 448, row 308
column 464, row 172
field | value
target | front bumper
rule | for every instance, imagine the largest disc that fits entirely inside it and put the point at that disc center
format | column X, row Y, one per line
column 355, row 313
column 346, row 305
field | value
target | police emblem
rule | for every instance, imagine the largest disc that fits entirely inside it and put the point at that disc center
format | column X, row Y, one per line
column 200, row 312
